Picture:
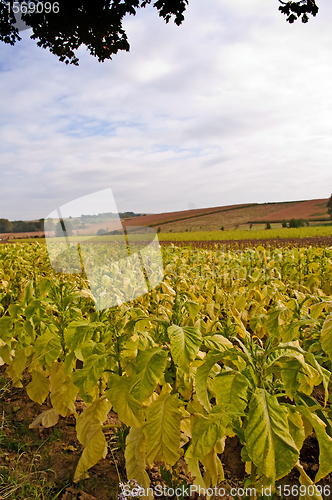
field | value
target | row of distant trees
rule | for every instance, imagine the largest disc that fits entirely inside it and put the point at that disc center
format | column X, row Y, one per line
column 290, row 223
column 20, row 226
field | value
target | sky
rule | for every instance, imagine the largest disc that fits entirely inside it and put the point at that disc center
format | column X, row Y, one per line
column 233, row 106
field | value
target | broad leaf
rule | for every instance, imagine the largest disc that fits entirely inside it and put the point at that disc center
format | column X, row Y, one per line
column 202, row 375
column 47, row 348
column 63, row 391
column 185, row 343
column 16, row 368
column 214, row 470
column 90, row 434
column 150, row 365
column 135, row 455
column 87, row 377
column 326, row 336
column 129, row 410
column 162, row 430
column 268, row 441
column 38, row 388
column 207, row 430
column 231, row 390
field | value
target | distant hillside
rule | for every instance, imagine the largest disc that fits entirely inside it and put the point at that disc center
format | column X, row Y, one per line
column 249, row 215
column 233, row 216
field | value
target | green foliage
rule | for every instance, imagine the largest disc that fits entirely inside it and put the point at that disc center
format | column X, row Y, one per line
column 5, row 226
column 298, row 8
column 236, row 347
column 268, row 225
column 98, row 25
column 296, row 223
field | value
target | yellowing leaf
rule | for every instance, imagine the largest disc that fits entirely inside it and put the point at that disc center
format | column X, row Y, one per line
column 306, row 481
column 135, row 456
column 202, row 375
column 326, row 336
column 207, row 430
column 129, row 410
column 63, row 391
column 38, row 388
column 90, row 435
column 214, row 469
column 47, row 348
column 16, row 368
column 162, row 430
column 96, row 413
column 86, row 378
column 95, row 449
column 47, row 419
column 193, row 467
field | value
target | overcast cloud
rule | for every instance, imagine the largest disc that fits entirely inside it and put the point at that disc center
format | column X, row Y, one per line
column 233, row 106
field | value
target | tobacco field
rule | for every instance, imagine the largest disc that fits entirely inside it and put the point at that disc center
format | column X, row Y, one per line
column 231, row 343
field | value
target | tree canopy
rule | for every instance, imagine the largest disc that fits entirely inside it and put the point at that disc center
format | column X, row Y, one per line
column 63, row 26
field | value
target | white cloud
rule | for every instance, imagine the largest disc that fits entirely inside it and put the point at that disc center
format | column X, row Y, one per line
column 232, row 106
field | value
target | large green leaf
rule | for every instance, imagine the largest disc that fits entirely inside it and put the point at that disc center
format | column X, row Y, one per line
column 150, row 365
column 268, row 441
column 86, row 378
column 77, row 333
column 6, row 329
column 216, row 341
column 129, row 410
column 326, row 336
column 47, row 348
column 231, row 390
column 162, row 430
column 185, row 343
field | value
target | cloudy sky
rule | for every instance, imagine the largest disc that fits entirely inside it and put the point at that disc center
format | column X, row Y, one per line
column 233, row 106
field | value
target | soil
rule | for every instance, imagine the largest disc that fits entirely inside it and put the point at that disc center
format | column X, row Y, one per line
column 52, row 454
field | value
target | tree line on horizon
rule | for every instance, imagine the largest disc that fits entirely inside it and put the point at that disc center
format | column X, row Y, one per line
column 20, row 226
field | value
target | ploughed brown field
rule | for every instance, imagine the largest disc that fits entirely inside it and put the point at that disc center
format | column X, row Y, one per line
column 213, row 218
